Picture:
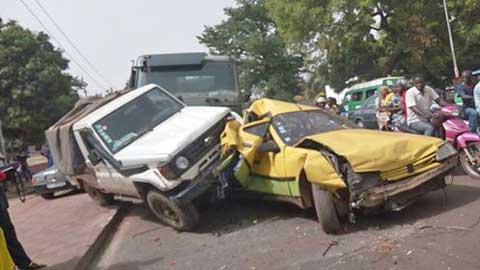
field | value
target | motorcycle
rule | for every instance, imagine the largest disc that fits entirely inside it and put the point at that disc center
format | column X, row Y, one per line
column 453, row 129
column 13, row 177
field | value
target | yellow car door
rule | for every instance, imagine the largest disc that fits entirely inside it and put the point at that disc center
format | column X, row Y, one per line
column 251, row 137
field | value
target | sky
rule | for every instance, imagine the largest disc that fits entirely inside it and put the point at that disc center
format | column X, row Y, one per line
column 112, row 33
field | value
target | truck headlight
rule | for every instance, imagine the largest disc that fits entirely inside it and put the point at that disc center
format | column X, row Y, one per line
column 445, row 151
column 182, row 163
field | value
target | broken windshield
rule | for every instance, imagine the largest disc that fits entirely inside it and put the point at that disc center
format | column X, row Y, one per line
column 294, row 126
column 132, row 120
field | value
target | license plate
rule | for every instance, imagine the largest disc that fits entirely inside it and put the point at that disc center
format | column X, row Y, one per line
column 55, row 185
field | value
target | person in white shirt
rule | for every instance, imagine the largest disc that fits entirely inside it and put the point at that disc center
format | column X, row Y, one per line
column 419, row 99
column 476, row 97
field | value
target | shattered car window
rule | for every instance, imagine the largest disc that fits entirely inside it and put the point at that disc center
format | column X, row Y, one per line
column 294, row 126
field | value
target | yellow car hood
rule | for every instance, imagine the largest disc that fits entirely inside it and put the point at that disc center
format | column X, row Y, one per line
column 369, row 150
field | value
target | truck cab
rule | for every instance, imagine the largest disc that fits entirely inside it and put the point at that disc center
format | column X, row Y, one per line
column 148, row 144
column 197, row 79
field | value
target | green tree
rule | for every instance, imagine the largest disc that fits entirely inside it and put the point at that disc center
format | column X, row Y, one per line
column 372, row 38
column 249, row 35
column 35, row 90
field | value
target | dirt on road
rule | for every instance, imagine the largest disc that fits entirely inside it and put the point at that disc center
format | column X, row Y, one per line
column 439, row 231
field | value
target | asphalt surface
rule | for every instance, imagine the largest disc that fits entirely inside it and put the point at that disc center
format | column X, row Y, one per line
column 439, row 231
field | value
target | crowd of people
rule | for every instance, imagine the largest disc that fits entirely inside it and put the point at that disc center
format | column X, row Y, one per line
column 410, row 103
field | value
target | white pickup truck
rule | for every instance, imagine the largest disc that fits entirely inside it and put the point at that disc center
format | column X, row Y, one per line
column 146, row 144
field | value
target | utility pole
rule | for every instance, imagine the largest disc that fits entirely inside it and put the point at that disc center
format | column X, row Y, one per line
column 450, row 37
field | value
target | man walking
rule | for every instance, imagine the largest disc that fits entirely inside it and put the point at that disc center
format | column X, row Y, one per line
column 18, row 254
column 465, row 90
column 419, row 99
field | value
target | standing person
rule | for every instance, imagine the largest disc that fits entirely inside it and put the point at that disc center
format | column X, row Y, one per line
column 401, row 88
column 332, row 105
column 321, row 102
column 6, row 261
column 476, row 96
column 419, row 99
column 383, row 114
column 465, row 90
column 17, row 253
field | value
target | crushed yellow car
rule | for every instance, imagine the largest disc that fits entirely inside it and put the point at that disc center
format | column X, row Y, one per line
column 304, row 155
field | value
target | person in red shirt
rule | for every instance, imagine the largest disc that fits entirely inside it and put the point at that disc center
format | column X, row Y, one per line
column 401, row 88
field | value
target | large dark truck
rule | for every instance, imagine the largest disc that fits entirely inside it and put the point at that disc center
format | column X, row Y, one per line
column 198, row 79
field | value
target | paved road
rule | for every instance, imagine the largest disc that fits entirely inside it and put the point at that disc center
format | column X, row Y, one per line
column 436, row 232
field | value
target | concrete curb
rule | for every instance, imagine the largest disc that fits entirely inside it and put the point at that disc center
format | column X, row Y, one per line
column 87, row 261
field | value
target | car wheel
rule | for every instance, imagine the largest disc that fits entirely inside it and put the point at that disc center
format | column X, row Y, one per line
column 360, row 123
column 325, row 208
column 101, row 198
column 181, row 218
column 48, row 196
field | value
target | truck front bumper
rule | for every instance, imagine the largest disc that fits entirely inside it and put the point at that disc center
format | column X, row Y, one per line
column 196, row 187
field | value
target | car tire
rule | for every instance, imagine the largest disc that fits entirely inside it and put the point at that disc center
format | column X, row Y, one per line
column 180, row 217
column 48, row 196
column 101, row 198
column 325, row 208
column 360, row 123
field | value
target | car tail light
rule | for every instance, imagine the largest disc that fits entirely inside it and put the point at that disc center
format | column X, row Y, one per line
column 167, row 172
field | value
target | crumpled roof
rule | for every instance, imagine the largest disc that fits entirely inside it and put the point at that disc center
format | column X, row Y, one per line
column 272, row 107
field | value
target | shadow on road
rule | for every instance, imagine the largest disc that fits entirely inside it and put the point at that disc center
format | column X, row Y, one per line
column 228, row 216
column 133, row 265
column 430, row 205
column 70, row 264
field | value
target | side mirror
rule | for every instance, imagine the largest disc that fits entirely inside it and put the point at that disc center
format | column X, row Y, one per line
column 268, row 147
column 94, row 158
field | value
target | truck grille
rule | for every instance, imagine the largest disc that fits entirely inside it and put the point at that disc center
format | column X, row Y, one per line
column 201, row 146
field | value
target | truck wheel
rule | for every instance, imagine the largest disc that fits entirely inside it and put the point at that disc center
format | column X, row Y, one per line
column 48, row 196
column 181, row 218
column 103, row 199
column 325, row 208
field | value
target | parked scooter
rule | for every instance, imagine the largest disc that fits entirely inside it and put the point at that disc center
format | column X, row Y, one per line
column 451, row 128
column 454, row 129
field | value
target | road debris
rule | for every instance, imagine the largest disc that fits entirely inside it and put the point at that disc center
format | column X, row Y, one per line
column 409, row 252
column 330, row 245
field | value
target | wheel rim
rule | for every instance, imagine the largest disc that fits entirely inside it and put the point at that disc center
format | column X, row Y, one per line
column 470, row 168
column 165, row 211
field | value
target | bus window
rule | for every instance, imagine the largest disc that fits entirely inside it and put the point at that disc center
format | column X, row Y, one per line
column 357, row 96
column 371, row 92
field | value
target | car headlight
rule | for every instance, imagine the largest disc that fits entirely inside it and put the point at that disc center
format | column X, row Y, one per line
column 182, row 163
column 445, row 151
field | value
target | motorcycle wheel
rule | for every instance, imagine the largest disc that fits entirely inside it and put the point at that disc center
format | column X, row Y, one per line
column 472, row 169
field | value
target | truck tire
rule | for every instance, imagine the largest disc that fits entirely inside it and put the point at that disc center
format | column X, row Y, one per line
column 325, row 208
column 101, row 198
column 181, row 218
column 48, row 196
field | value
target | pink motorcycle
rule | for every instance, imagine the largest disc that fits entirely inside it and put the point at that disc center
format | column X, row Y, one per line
column 456, row 130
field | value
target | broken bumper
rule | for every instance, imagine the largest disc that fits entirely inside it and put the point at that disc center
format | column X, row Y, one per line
column 419, row 183
column 197, row 187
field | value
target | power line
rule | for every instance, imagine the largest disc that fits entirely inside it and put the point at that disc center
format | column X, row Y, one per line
column 60, row 45
column 73, row 45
